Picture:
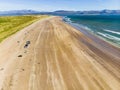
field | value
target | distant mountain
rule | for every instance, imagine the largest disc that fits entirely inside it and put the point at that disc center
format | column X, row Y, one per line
column 102, row 12
column 18, row 12
column 110, row 12
column 61, row 12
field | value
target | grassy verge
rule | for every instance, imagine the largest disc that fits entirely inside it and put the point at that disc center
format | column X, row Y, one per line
column 11, row 24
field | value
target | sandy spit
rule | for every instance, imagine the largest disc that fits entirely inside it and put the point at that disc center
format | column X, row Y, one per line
column 58, row 57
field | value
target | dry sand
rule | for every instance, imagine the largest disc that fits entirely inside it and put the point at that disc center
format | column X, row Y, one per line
column 58, row 57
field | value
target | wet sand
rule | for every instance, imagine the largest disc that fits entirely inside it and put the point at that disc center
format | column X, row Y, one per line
column 58, row 57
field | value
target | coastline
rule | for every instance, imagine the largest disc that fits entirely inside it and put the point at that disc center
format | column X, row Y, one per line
column 100, row 42
column 59, row 57
column 87, row 31
column 91, row 34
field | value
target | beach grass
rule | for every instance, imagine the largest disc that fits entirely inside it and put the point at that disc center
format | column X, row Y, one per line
column 11, row 24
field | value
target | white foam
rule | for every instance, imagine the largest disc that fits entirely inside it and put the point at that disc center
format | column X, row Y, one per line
column 67, row 19
column 87, row 28
column 112, row 31
column 109, row 36
column 83, row 27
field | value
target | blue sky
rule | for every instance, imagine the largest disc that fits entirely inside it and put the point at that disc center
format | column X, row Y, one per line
column 52, row 5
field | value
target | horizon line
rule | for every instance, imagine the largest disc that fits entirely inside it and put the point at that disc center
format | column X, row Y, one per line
column 55, row 10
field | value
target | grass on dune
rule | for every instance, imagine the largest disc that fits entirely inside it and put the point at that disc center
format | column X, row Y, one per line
column 11, row 24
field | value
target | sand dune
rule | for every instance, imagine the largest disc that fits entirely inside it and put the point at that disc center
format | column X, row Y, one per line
column 58, row 57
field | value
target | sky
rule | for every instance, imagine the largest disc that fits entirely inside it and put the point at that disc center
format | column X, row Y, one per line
column 53, row 5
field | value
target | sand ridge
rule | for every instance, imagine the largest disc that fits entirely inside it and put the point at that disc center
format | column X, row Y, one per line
column 58, row 57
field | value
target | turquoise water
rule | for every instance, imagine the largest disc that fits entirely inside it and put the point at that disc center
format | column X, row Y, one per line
column 105, row 26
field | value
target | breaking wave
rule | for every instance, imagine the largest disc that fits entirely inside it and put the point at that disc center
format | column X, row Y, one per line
column 115, row 32
column 66, row 19
column 108, row 36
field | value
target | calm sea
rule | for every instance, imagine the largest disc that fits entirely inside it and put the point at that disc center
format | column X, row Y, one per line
column 104, row 26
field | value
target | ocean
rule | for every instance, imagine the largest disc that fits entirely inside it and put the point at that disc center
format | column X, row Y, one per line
column 106, row 27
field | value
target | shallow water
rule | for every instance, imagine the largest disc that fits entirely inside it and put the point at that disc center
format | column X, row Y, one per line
column 105, row 26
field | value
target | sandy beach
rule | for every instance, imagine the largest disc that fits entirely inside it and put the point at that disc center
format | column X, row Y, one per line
column 52, row 55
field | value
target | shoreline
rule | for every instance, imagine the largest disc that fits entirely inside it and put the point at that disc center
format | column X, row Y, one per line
column 58, row 57
column 100, row 42
column 88, row 32
column 91, row 34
